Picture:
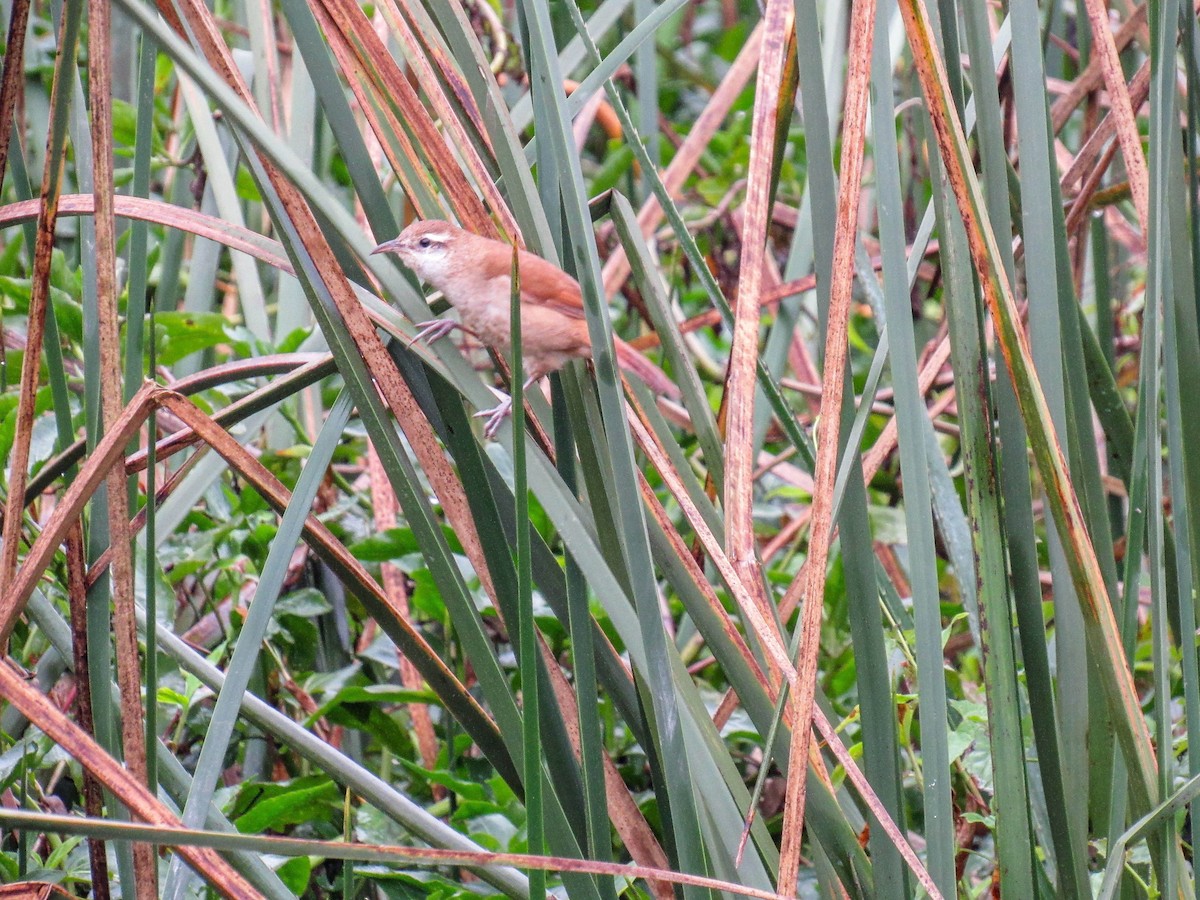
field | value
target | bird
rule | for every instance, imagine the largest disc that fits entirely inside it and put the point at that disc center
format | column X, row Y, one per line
column 474, row 273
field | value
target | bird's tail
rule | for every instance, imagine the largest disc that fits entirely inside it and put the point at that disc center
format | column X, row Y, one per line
column 656, row 379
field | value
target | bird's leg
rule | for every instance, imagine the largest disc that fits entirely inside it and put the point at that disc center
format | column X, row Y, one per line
column 498, row 413
column 434, row 330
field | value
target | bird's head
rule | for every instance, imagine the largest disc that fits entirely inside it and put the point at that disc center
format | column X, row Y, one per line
column 426, row 248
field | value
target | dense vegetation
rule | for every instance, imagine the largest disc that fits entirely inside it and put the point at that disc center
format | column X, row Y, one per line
column 896, row 599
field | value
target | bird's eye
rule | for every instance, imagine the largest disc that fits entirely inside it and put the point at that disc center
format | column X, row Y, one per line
column 424, row 242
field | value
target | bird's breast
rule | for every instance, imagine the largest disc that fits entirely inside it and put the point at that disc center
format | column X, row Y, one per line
column 483, row 306
column 484, row 309
column 491, row 323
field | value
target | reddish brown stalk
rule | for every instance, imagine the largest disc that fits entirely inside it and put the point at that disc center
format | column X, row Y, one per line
column 858, row 82
column 741, row 385
column 129, row 669
column 1105, row 47
column 420, row 52
column 10, row 536
column 14, row 76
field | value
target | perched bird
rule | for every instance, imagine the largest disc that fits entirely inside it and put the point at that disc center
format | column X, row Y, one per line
column 474, row 274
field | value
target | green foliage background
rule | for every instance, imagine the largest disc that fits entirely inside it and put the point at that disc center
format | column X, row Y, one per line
column 321, row 607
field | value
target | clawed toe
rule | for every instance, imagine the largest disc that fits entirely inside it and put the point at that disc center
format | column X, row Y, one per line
column 496, row 415
column 433, row 330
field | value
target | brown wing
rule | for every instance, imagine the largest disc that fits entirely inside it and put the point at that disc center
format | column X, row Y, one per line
column 562, row 302
column 541, row 282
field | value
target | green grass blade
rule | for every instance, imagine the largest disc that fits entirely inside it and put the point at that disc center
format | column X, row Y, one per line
column 245, row 655
column 679, row 784
column 911, row 419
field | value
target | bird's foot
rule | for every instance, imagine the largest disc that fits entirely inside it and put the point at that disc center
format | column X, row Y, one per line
column 433, row 330
column 496, row 415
